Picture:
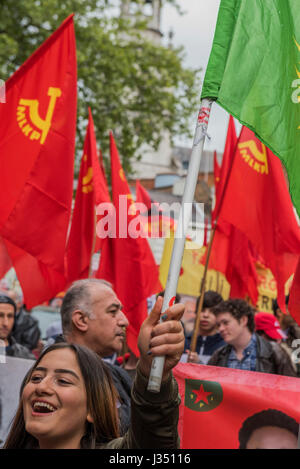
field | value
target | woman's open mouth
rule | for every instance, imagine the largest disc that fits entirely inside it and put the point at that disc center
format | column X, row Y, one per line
column 42, row 407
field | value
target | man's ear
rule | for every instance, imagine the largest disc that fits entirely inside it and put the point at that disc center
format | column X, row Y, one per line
column 80, row 320
column 244, row 320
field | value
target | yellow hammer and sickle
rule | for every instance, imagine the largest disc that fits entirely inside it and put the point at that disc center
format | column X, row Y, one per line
column 260, row 156
column 33, row 104
column 122, row 174
column 87, row 185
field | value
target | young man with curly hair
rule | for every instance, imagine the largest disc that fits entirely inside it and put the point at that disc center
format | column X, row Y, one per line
column 244, row 349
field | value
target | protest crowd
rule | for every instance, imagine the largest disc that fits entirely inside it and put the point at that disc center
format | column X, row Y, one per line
column 86, row 313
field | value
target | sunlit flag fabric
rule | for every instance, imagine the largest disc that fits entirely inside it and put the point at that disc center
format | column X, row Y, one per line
column 254, row 73
column 128, row 262
column 91, row 191
column 262, row 208
column 155, row 223
column 37, row 142
column 231, row 250
column 218, row 403
column 217, row 169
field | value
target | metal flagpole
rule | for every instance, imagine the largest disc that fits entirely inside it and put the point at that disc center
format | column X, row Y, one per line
column 182, row 228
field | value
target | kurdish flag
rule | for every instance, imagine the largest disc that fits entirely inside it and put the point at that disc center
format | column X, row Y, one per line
column 254, row 73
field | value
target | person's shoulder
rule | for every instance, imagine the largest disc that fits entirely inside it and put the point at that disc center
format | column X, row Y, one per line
column 279, row 350
column 216, row 338
column 20, row 351
column 119, row 372
column 220, row 352
column 264, row 347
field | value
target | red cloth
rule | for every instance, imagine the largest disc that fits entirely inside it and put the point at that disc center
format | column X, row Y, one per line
column 5, row 260
column 294, row 299
column 91, row 190
column 231, row 250
column 37, row 136
column 257, row 202
column 128, row 262
column 216, row 401
column 230, row 145
column 217, row 170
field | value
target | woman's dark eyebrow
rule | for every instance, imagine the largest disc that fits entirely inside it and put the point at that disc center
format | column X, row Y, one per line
column 59, row 370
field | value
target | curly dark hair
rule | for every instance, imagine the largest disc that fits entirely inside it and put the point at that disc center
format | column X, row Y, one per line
column 237, row 308
column 266, row 418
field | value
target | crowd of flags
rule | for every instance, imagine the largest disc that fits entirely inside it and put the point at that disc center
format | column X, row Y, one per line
column 47, row 245
column 50, row 245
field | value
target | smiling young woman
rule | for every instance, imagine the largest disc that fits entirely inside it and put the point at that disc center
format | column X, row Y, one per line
column 68, row 401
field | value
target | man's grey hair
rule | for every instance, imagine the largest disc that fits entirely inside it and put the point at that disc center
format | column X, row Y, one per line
column 78, row 297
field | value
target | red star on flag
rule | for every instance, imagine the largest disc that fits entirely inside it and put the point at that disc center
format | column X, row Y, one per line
column 201, row 395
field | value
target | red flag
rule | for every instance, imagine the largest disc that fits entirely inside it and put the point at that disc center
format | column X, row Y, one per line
column 37, row 135
column 231, row 251
column 231, row 142
column 155, row 224
column 258, row 203
column 91, row 191
column 5, row 260
column 128, row 262
column 218, row 401
column 294, row 299
column 217, row 170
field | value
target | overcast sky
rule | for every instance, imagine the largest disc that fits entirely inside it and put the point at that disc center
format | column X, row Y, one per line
column 195, row 31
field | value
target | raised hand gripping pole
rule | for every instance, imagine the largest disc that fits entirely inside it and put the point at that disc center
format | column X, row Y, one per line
column 182, row 228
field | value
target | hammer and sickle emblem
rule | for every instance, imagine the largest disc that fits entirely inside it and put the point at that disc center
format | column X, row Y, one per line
column 259, row 156
column 42, row 124
column 122, row 174
column 87, row 181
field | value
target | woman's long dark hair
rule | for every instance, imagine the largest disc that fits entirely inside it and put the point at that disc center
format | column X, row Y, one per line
column 101, row 402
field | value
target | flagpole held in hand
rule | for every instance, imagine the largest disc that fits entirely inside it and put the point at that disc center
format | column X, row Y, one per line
column 182, row 228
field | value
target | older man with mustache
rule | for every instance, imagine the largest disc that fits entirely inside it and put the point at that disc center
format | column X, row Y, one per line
column 92, row 316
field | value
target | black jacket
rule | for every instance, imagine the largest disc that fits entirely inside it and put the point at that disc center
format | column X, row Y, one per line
column 17, row 350
column 26, row 330
column 271, row 358
column 209, row 343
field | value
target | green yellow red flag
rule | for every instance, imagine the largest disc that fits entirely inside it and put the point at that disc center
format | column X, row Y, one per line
column 254, row 73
